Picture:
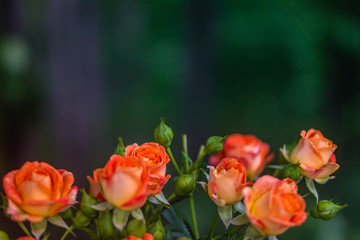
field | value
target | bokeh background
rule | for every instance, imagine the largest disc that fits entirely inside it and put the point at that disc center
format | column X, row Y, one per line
column 75, row 75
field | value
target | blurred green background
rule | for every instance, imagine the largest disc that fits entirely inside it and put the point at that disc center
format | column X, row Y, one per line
column 75, row 75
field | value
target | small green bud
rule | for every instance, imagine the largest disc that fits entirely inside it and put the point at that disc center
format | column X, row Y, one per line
column 105, row 227
column 214, row 144
column 81, row 220
column 157, row 230
column 3, row 235
column 163, row 134
column 67, row 214
column 85, row 203
column 292, row 171
column 185, row 184
column 326, row 210
column 136, row 228
column 120, row 149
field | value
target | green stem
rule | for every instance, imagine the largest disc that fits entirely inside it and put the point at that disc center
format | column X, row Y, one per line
column 171, row 197
column 168, row 150
column 26, row 231
column 201, row 155
column 193, row 216
column 213, row 224
column 67, row 232
column 185, row 149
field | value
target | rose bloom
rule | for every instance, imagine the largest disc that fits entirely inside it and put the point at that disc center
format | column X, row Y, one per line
column 95, row 186
column 147, row 236
column 314, row 153
column 227, row 181
column 124, row 182
column 155, row 158
column 38, row 190
column 273, row 205
column 248, row 148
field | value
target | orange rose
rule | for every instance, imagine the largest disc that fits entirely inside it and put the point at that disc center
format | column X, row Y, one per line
column 147, row 236
column 273, row 205
column 124, row 182
column 315, row 155
column 95, row 186
column 227, row 181
column 37, row 190
column 249, row 149
column 155, row 158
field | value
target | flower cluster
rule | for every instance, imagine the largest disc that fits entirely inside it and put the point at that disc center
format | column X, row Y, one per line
column 125, row 199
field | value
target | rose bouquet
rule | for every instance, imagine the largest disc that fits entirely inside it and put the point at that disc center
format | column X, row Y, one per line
column 125, row 198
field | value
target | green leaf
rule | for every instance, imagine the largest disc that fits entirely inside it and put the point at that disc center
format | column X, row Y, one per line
column 252, row 234
column 176, row 222
column 137, row 214
column 240, row 220
column 239, row 207
column 311, row 186
column 162, row 198
column 225, row 214
column 120, row 218
column 38, row 228
column 102, row 206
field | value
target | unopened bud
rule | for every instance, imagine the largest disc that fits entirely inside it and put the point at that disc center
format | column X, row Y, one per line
column 163, row 134
column 185, row 184
column 120, row 148
column 85, row 205
column 81, row 220
column 157, row 230
column 105, row 227
column 136, row 228
column 3, row 236
column 214, row 144
column 326, row 210
column 67, row 214
column 292, row 171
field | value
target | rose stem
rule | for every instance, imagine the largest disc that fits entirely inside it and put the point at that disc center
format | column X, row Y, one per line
column 67, row 232
column 173, row 160
column 213, row 224
column 193, row 216
column 185, row 149
column 26, row 231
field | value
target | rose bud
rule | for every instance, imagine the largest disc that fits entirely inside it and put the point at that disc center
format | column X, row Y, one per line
column 273, row 205
column 185, row 184
column 227, row 181
column 326, row 210
column 81, row 220
column 120, row 148
column 157, row 230
column 85, row 205
column 67, row 214
column 147, row 236
column 95, row 185
column 124, row 182
column 314, row 153
column 105, row 226
column 163, row 134
column 292, row 171
column 38, row 190
column 155, row 158
column 136, row 228
column 249, row 149
column 3, row 236
column 214, row 144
